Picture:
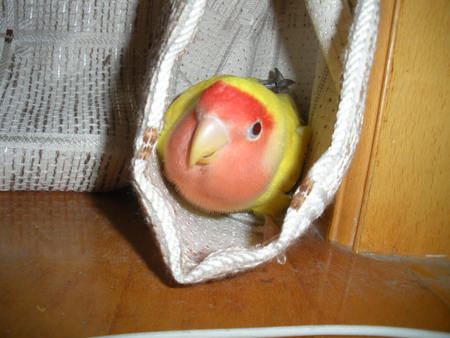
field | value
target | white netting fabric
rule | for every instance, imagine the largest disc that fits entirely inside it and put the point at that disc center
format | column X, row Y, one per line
column 70, row 76
column 248, row 38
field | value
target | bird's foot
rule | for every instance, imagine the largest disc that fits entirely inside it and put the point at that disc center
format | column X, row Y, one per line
column 269, row 230
column 277, row 83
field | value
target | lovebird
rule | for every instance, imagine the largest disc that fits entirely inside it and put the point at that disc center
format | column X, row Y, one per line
column 234, row 144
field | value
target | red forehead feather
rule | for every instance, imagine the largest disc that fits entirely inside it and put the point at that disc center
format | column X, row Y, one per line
column 230, row 102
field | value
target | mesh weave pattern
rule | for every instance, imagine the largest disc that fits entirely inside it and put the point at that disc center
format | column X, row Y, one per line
column 70, row 74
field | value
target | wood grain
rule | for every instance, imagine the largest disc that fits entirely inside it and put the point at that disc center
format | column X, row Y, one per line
column 347, row 208
column 79, row 265
column 406, row 206
column 395, row 199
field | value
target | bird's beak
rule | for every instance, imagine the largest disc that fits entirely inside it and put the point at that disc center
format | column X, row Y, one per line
column 210, row 136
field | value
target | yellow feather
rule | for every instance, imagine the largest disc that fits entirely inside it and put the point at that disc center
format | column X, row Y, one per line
column 275, row 200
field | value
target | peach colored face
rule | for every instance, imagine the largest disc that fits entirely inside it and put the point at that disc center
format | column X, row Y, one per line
column 229, row 132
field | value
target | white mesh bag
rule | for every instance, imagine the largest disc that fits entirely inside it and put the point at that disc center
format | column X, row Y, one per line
column 249, row 38
column 70, row 77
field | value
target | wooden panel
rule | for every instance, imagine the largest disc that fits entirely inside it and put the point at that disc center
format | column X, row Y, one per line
column 406, row 207
column 83, row 265
column 345, row 219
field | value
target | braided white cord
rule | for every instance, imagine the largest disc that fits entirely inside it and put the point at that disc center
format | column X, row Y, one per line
column 329, row 170
column 331, row 167
column 154, row 203
column 178, row 40
column 162, row 214
column 326, row 174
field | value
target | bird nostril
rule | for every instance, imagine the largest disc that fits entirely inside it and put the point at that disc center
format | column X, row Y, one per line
column 208, row 155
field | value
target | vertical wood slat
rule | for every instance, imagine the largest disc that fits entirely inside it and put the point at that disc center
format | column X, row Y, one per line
column 396, row 198
column 346, row 212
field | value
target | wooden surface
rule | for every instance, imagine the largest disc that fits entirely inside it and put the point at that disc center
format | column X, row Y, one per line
column 349, row 199
column 77, row 265
column 396, row 198
column 410, row 171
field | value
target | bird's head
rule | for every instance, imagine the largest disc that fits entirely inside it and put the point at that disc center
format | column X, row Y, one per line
column 228, row 119
column 222, row 154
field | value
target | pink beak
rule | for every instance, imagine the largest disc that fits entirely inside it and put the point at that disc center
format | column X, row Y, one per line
column 209, row 137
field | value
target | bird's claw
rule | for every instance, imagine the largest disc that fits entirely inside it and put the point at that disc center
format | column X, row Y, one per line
column 278, row 83
column 269, row 230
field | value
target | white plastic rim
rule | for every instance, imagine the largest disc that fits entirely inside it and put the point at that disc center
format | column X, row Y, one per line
column 291, row 331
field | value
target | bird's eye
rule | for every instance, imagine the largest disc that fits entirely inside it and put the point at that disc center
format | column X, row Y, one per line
column 254, row 131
